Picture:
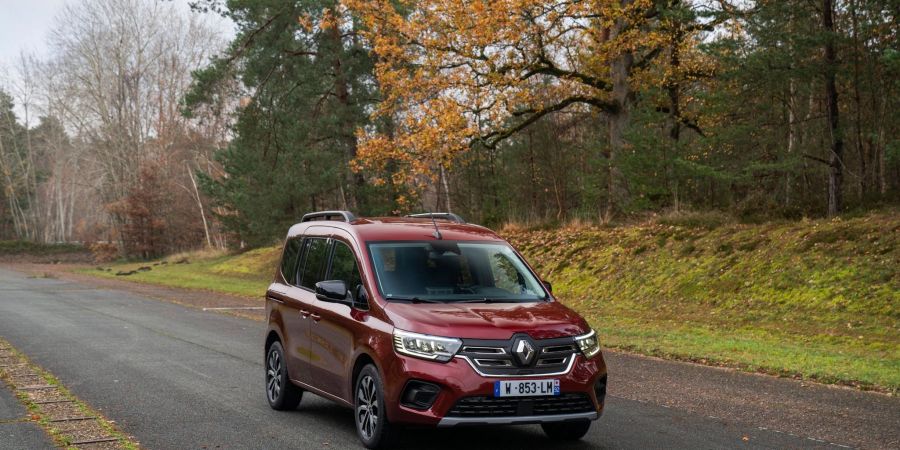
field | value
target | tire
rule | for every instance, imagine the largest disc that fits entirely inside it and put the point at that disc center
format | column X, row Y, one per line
column 566, row 431
column 280, row 392
column 372, row 425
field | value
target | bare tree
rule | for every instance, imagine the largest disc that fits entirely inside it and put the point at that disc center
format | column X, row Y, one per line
column 121, row 69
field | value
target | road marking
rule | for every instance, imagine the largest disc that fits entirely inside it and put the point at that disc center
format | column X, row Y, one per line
column 51, row 402
column 72, row 419
column 95, row 441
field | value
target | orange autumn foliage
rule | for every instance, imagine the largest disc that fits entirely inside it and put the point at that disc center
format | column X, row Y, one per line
column 456, row 74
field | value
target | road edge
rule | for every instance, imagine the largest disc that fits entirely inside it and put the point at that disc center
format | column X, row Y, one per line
column 12, row 358
column 232, row 305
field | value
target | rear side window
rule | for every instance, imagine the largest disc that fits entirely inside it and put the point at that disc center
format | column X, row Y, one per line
column 316, row 257
column 343, row 266
column 289, row 260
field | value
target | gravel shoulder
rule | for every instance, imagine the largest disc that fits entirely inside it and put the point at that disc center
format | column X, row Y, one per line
column 232, row 305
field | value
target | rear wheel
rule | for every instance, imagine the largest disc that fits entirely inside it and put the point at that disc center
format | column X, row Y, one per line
column 567, row 431
column 368, row 404
column 280, row 392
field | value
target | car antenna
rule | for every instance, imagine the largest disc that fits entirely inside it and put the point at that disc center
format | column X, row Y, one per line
column 437, row 231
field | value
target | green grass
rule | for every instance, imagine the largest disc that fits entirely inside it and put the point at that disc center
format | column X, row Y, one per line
column 816, row 299
column 247, row 274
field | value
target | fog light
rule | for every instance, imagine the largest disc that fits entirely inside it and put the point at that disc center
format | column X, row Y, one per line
column 419, row 394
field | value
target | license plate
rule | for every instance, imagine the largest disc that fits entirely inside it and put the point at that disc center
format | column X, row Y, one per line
column 525, row 388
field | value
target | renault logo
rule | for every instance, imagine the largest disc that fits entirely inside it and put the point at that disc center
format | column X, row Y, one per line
column 524, row 351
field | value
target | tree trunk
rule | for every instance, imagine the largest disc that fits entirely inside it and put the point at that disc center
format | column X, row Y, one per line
column 446, row 187
column 200, row 207
column 673, row 89
column 618, row 122
column 861, row 149
column 836, row 163
column 354, row 180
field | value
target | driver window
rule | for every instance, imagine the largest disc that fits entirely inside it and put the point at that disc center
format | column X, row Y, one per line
column 506, row 276
column 343, row 267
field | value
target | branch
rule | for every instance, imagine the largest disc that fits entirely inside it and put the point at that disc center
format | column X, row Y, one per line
column 300, row 53
column 690, row 124
column 816, row 158
column 493, row 138
column 250, row 39
column 550, row 69
column 645, row 61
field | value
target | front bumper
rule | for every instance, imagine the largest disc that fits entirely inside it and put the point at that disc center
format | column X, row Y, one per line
column 517, row 420
column 457, row 379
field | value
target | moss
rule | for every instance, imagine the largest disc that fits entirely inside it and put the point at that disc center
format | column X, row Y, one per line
column 791, row 287
column 687, row 249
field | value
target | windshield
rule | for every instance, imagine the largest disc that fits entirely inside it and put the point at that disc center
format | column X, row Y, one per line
column 453, row 271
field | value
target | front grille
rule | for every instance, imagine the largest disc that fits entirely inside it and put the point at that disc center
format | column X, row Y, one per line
column 498, row 357
column 570, row 403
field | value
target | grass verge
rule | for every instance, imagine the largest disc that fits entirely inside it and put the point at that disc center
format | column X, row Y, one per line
column 25, row 374
column 812, row 299
column 247, row 274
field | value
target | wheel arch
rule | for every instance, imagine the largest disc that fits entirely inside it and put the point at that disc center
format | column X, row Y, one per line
column 271, row 337
column 362, row 360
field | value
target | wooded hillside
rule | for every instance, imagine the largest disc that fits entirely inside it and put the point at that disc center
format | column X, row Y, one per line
column 145, row 132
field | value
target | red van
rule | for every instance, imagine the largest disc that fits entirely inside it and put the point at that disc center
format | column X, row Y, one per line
column 425, row 320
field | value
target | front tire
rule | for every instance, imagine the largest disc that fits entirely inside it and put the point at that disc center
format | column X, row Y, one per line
column 280, row 392
column 372, row 425
column 566, row 431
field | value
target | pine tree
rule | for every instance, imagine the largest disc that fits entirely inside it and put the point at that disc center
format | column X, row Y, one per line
column 304, row 83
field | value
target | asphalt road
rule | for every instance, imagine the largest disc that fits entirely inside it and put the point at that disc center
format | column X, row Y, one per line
column 16, row 432
column 175, row 377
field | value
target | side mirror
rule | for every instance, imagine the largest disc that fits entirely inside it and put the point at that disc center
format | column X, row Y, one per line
column 548, row 285
column 334, row 291
column 361, row 299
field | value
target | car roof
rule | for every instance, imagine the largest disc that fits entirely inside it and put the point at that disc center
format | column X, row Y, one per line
column 401, row 229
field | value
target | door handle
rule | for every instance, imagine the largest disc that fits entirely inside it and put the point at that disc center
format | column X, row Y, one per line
column 316, row 317
column 276, row 300
column 304, row 313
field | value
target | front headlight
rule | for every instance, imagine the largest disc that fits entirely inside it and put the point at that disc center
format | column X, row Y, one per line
column 588, row 344
column 435, row 348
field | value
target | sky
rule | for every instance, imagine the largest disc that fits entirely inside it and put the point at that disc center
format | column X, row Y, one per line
column 25, row 24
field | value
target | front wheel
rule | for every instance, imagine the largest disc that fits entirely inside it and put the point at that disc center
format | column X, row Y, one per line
column 280, row 392
column 371, row 421
column 566, row 431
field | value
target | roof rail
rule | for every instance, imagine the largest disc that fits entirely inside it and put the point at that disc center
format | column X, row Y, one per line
column 438, row 215
column 341, row 216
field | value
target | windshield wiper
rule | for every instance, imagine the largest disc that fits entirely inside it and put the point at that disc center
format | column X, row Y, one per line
column 415, row 300
column 477, row 300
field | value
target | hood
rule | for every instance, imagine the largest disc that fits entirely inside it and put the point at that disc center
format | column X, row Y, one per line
column 540, row 320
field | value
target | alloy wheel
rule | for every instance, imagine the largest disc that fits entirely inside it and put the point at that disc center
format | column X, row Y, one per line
column 367, row 407
column 273, row 375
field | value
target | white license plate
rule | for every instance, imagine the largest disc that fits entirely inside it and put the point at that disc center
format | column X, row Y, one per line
column 525, row 388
